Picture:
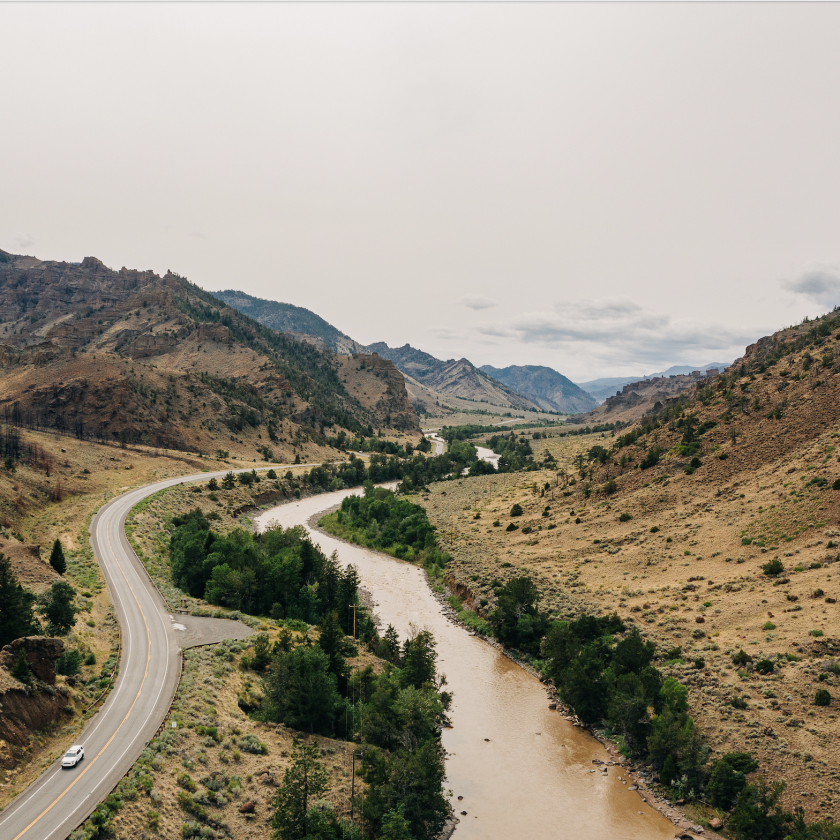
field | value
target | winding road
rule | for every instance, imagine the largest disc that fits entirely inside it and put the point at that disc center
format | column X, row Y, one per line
column 60, row 800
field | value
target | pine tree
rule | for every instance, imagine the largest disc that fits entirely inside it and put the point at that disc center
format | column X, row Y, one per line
column 21, row 670
column 16, row 616
column 58, row 607
column 304, row 783
column 57, row 560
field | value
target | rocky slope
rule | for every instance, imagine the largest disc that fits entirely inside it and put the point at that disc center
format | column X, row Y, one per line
column 544, row 386
column 28, row 708
column 638, row 398
column 608, row 386
column 454, row 378
column 297, row 321
column 127, row 355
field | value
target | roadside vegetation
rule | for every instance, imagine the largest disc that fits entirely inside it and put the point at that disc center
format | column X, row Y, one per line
column 302, row 678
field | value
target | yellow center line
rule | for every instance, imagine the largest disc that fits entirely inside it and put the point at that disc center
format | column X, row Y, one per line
column 122, row 722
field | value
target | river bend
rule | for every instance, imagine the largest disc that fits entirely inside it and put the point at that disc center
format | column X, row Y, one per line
column 523, row 771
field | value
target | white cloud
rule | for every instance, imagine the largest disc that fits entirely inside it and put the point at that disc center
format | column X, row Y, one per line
column 24, row 241
column 477, row 302
column 820, row 283
column 618, row 331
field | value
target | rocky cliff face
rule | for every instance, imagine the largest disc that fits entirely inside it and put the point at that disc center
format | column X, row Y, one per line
column 637, row 398
column 26, row 709
column 381, row 387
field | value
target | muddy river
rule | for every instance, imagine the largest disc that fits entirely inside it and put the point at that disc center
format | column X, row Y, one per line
column 523, row 771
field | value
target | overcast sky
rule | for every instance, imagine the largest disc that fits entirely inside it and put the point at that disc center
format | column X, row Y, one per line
column 605, row 189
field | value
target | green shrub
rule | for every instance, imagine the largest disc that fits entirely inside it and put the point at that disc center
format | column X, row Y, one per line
column 817, row 633
column 186, row 782
column 251, row 744
column 69, row 663
column 765, row 666
column 651, row 459
column 20, row 669
column 625, row 517
column 516, row 510
column 822, row 698
column 773, row 568
column 512, row 527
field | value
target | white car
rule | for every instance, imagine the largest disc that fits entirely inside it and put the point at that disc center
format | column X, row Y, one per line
column 73, row 756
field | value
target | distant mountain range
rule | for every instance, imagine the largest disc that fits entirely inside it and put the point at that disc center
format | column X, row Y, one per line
column 608, row 386
column 297, row 321
column 516, row 386
column 454, row 377
column 546, row 387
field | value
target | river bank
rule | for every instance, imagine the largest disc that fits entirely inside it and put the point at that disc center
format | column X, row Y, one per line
column 635, row 778
column 516, row 767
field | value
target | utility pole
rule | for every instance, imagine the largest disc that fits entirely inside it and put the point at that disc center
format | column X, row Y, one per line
column 353, row 781
column 354, row 607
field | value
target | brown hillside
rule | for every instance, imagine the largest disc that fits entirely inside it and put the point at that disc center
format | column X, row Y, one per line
column 686, row 564
column 127, row 355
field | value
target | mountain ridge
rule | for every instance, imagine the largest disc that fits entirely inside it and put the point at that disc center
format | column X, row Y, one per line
column 546, row 387
column 453, row 377
column 132, row 356
column 297, row 321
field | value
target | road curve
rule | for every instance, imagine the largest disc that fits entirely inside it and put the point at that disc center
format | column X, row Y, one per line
column 60, row 800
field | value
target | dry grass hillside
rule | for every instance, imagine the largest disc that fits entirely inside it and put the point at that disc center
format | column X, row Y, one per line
column 680, row 549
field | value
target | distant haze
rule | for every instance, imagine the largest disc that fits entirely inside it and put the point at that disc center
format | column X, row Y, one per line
column 598, row 188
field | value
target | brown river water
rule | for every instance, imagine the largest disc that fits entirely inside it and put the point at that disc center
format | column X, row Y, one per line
column 523, row 771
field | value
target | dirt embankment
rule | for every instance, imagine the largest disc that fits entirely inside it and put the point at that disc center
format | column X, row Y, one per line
column 26, row 707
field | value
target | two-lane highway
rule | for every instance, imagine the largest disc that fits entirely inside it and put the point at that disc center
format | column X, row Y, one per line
column 53, row 806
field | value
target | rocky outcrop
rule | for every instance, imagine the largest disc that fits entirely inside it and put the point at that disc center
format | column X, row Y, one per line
column 637, row 398
column 26, row 709
column 41, row 653
column 37, row 354
column 393, row 408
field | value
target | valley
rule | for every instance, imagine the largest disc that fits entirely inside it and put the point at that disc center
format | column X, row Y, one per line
column 699, row 511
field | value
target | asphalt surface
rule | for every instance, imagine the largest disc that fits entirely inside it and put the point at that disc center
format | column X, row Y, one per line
column 60, row 800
